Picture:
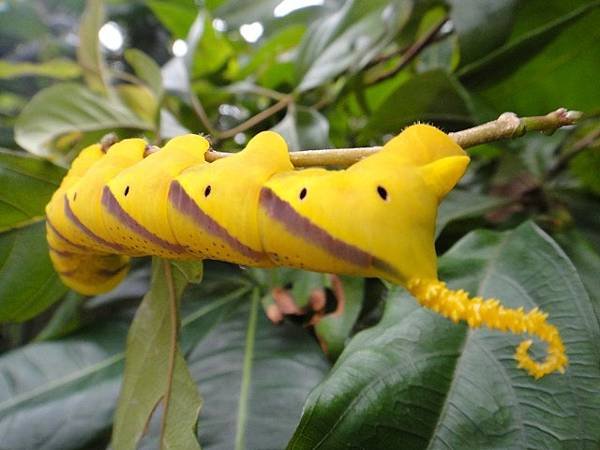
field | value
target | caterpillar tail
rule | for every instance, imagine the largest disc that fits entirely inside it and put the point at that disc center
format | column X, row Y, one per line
column 456, row 305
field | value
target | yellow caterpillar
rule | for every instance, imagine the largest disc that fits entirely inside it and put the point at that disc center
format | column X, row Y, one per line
column 374, row 219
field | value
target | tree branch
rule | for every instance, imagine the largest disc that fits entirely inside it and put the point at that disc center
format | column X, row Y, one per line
column 218, row 135
column 507, row 126
column 408, row 55
column 256, row 119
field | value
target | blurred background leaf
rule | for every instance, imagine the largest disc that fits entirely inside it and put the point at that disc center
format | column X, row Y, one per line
column 337, row 73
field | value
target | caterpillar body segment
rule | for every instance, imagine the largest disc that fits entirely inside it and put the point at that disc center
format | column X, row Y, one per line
column 82, row 268
column 135, row 203
column 89, row 225
column 374, row 219
column 213, row 208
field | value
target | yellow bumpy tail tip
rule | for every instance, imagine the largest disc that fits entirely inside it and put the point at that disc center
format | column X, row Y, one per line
column 476, row 311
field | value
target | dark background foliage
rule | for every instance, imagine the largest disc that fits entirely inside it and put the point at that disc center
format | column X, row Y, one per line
column 523, row 225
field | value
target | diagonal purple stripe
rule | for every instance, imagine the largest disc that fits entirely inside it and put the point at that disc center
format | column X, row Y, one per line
column 75, row 220
column 180, row 199
column 63, row 238
column 113, row 207
column 62, row 253
column 284, row 213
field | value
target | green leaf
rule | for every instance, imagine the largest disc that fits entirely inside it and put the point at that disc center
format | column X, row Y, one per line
column 67, row 108
column 462, row 204
column 81, row 373
column 348, row 38
column 146, row 70
column 584, row 208
column 167, row 381
column 28, row 283
column 586, row 259
column 65, row 319
column 26, row 185
column 586, row 166
column 139, row 99
column 61, row 69
column 269, row 52
column 417, row 380
column 239, row 12
column 76, row 379
column 482, row 26
column 254, row 377
column 211, row 51
column 89, row 55
column 304, row 129
column 21, row 21
column 542, row 68
column 428, row 97
column 176, row 15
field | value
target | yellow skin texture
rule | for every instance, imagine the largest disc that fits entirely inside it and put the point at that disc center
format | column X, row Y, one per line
column 79, row 268
column 374, row 219
column 398, row 230
column 234, row 184
column 148, row 182
column 84, row 196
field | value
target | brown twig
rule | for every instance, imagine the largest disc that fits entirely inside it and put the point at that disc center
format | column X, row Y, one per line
column 582, row 144
column 507, row 126
column 408, row 55
column 201, row 114
column 218, row 135
column 256, row 119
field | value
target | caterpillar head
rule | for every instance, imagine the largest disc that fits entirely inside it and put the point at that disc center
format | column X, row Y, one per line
column 375, row 218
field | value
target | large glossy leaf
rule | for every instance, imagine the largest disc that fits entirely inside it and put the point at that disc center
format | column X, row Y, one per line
column 254, row 377
column 348, row 38
column 26, row 185
column 586, row 259
column 463, row 204
column 77, row 378
column 66, row 108
column 428, row 97
column 67, row 388
column 153, row 356
column 28, row 283
column 418, row 381
column 482, row 26
column 543, row 65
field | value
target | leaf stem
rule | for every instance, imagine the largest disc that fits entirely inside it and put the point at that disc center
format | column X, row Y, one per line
column 247, row 372
column 174, row 316
column 586, row 142
column 201, row 114
column 410, row 54
column 217, row 135
column 507, row 126
column 256, row 119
